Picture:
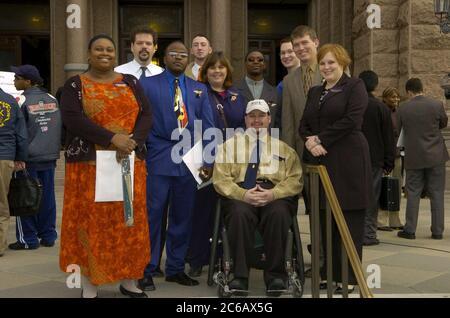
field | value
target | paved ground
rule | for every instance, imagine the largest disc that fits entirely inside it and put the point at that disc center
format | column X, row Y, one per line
column 409, row 268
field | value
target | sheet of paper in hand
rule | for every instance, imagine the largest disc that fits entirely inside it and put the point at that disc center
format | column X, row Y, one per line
column 109, row 179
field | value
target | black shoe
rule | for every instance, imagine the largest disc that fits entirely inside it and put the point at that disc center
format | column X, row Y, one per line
column 19, row 246
column 339, row 290
column 47, row 244
column 132, row 294
column 195, row 271
column 182, row 279
column 371, row 242
column 385, row 228
column 158, row 272
column 275, row 287
column 406, row 235
column 401, row 227
column 437, row 236
column 239, row 284
column 146, row 284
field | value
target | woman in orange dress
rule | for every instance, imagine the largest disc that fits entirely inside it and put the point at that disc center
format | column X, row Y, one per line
column 104, row 110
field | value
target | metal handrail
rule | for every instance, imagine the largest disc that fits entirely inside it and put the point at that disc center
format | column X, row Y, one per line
column 349, row 249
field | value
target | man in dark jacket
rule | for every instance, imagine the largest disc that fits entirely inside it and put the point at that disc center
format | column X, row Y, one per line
column 13, row 153
column 43, row 120
column 377, row 127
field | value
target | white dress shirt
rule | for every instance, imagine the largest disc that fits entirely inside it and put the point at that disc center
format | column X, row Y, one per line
column 134, row 68
column 196, row 70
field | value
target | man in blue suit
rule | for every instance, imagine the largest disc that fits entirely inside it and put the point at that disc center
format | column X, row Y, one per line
column 177, row 101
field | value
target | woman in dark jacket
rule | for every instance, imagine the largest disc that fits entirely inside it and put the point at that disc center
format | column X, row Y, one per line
column 331, row 129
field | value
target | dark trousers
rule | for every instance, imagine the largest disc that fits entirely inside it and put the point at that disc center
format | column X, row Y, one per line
column 355, row 223
column 177, row 193
column 371, row 220
column 202, row 226
column 29, row 229
column 273, row 221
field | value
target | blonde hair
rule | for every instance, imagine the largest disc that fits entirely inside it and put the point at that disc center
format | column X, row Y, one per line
column 339, row 52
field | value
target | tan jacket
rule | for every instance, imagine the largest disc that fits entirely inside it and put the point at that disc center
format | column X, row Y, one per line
column 279, row 164
column 294, row 101
column 188, row 71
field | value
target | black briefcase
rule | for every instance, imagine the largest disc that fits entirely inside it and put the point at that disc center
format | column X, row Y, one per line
column 25, row 195
column 390, row 196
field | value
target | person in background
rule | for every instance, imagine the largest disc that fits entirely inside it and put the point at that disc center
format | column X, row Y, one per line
column 201, row 49
column 104, row 110
column 377, row 127
column 44, row 124
column 144, row 42
column 13, row 154
column 228, row 108
column 331, row 129
column 291, row 62
column 390, row 220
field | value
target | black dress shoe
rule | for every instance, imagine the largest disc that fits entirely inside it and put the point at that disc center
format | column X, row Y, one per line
column 19, row 246
column 47, row 244
column 371, row 242
column 339, row 290
column 182, row 279
column 131, row 294
column 406, row 235
column 158, row 272
column 401, row 227
column 239, row 284
column 385, row 228
column 195, row 271
column 275, row 287
column 437, row 236
column 146, row 284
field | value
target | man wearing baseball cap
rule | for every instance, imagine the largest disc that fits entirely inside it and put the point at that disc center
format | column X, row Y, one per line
column 258, row 177
column 43, row 120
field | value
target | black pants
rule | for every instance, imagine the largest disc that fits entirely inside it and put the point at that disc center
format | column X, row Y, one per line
column 355, row 223
column 273, row 221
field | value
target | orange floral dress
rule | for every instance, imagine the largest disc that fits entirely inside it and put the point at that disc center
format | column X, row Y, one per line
column 94, row 235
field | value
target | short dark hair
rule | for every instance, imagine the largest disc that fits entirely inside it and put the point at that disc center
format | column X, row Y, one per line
column 143, row 29
column 210, row 62
column 285, row 40
column 303, row 30
column 252, row 51
column 98, row 37
column 414, row 85
column 370, row 79
column 201, row 35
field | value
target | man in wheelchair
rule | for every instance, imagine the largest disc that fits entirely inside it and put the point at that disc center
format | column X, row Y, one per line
column 259, row 178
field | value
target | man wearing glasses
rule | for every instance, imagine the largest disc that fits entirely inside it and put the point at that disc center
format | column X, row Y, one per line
column 177, row 101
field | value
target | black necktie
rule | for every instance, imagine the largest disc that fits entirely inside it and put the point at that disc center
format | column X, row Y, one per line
column 252, row 168
column 144, row 69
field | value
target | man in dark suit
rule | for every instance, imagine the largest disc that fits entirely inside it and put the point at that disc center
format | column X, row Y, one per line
column 377, row 127
column 422, row 119
column 253, row 86
column 177, row 101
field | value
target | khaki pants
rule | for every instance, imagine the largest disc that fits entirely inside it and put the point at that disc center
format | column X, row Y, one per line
column 6, row 170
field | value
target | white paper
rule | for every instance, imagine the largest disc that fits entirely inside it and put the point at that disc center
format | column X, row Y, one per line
column 108, row 179
column 194, row 161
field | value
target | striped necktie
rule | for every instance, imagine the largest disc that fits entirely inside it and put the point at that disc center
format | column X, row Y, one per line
column 307, row 80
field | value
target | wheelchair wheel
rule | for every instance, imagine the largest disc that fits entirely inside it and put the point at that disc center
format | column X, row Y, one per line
column 297, row 291
column 222, row 293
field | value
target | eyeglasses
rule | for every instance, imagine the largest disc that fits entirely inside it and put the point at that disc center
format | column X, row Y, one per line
column 177, row 54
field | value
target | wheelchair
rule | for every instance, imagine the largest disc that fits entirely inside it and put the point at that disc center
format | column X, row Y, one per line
column 221, row 266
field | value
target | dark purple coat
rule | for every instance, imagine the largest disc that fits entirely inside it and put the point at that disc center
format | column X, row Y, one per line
column 338, row 122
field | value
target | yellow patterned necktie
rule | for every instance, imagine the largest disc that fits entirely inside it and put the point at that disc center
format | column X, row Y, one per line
column 180, row 107
column 307, row 80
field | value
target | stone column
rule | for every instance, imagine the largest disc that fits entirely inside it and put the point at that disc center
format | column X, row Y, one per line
column 377, row 49
column 77, row 36
column 239, row 37
column 221, row 25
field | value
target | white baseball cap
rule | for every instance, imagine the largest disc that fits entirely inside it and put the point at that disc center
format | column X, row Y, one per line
column 257, row 104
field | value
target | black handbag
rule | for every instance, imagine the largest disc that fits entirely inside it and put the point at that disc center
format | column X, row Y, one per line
column 389, row 196
column 25, row 195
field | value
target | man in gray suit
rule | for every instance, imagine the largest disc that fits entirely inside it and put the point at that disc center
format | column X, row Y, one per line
column 297, row 84
column 253, row 86
column 422, row 119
